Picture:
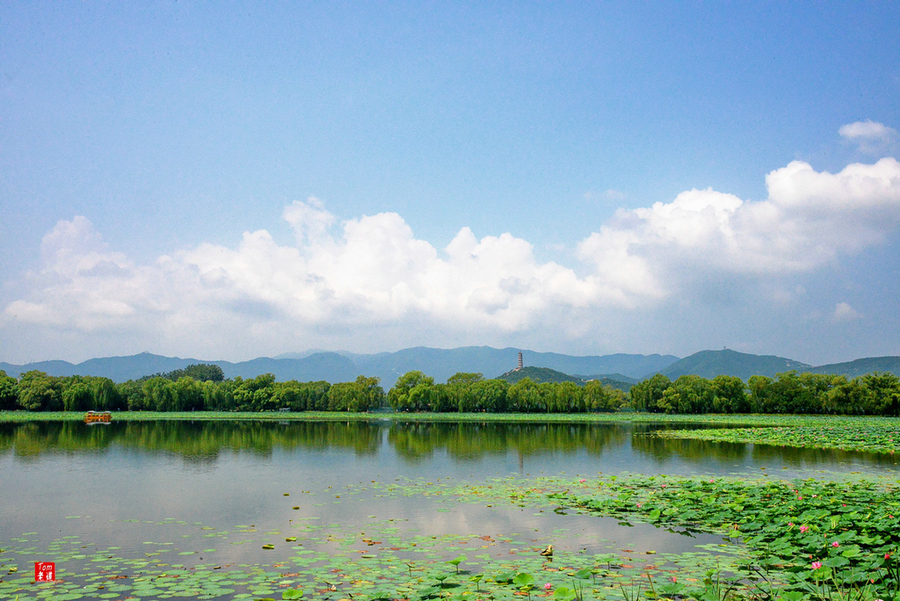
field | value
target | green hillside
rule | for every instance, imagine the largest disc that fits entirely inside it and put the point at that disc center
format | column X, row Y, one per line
column 545, row 374
column 860, row 367
column 624, row 384
column 539, row 374
column 709, row 364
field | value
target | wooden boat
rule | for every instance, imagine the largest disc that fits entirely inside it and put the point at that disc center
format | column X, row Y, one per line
column 97, row 417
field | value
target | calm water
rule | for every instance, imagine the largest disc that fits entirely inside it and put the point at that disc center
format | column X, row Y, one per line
column 132, row 483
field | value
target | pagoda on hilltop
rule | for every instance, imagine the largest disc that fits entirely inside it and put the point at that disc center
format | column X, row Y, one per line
column 521, row 363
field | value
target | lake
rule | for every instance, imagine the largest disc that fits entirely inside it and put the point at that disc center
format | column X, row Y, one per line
column 123, row 505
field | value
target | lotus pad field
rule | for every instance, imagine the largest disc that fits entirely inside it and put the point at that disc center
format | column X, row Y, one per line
column 876, row 435
column 780, row 539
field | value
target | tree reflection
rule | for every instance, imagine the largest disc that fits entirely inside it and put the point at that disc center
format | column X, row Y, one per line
column 201, row 439
column 469, row 441
column 202, row 442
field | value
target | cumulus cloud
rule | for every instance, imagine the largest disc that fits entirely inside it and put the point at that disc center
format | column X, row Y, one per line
column 808, row 219
column 310, row 220
column 869, row 136
column 372, row 275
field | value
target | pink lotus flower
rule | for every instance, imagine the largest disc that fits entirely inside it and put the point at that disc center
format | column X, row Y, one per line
column 674, row 579
column 804, row 528
column 790, row 524
column 548, row 586
column 582, row 480
column 835, row 544
column 640, row 505
column 816, row 565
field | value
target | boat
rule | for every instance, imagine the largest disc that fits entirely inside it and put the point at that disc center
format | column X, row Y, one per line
column 97, row 417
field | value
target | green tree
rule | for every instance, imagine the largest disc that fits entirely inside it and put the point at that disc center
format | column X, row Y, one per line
column 729, row 395
column 846, row 397
column 760, row 393
column 188, row 394
column 132, row 395
column 204, row 372
column 442, row 399
column 40, row 392
column 371, row 394
column 689, row 394
column 526, row 396
column 77, row 394
column 159, row 394
column 602, row 397
column 255, row 394
column 490, row 396
column 461, row 391
column 565, row 397
column 9, row 392
column 411, row 392
column 882, row 393
column 217, row 396
column 106, row 395
column 646, row 395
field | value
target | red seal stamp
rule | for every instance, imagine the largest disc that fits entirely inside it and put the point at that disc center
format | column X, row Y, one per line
column 44, row 571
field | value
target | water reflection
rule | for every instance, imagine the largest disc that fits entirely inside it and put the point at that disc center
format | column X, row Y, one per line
column 705, row 451
column 414, row 441
column 125, row 479
column 200, row 440
column 201, row 443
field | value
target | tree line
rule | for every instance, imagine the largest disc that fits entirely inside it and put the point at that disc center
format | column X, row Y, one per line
column 36, row 391
column 471, row 392
column 203, row 388
column 789, row 392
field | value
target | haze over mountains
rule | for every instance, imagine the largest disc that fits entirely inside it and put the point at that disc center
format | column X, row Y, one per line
column 443, row 363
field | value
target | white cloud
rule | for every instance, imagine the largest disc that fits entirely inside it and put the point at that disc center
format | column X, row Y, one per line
column 844, row 312
column 870, row 136
column 310, row 220
column 809, row 219
column 371, row 277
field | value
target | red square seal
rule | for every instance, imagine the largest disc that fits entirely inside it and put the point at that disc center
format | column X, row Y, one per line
column 44, row 571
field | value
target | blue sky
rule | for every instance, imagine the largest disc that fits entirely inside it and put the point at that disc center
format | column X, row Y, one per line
column 231, row 180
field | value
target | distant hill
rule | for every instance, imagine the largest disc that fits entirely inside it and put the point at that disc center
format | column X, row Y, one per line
column 118, row 369
column 612, row 377
column 709, row 364
column 343, row 367
column 330, row 367
column 619, row 381
column 619, row 370
column 624, row 386
column 443, row 363
column 860, row 367
column 318, row 366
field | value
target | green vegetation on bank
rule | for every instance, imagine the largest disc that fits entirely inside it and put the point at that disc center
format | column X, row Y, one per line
column 202, row 388
column 789, row 392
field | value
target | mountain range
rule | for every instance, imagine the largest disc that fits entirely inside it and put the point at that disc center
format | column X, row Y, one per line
column 443, row 363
